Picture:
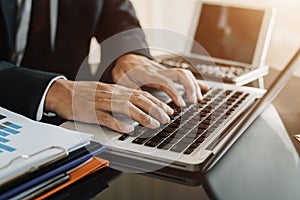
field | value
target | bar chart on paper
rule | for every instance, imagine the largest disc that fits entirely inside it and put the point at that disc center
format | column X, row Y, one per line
column 7, row 129
column 25, row 143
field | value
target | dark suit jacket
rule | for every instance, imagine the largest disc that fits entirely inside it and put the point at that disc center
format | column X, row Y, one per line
column 21, row 88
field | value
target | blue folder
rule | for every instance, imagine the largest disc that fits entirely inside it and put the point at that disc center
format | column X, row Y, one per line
column 59, row 170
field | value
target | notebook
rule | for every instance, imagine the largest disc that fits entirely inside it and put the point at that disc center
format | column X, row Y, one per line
column 196, row 132
column 233, row 38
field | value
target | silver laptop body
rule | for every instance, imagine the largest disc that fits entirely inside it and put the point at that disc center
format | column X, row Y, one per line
column 199, row 126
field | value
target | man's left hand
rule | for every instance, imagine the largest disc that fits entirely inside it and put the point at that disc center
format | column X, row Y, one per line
column 135, row 71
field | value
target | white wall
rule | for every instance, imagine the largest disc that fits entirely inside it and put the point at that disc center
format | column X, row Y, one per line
column 177, row 14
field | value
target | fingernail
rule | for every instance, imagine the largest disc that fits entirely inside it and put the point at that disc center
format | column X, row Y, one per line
column 193, row 98
column 128, row 128
column 200, row 96
column 154, row 124
column 181, row 101
column 169, row 110
column 165, row 118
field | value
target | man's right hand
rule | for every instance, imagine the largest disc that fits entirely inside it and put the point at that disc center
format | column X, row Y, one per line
column 79, row 100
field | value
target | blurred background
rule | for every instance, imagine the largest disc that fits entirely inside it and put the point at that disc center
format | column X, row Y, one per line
column 178, row 14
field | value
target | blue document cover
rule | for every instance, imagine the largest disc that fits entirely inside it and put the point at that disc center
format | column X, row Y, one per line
column 49, row 174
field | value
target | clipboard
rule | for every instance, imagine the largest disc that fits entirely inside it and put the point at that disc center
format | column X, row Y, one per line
column 93, row 148
column 44, row 177
column 61, row 155
column 66, row 166
column 28, row 145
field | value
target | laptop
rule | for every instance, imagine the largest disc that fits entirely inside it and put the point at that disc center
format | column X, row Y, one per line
column 196, row 133
column 235, row 38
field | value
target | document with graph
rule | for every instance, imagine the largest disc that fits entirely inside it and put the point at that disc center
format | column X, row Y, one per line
column 26, row 145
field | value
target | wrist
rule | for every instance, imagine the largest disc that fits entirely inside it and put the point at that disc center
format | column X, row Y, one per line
column 53, row 95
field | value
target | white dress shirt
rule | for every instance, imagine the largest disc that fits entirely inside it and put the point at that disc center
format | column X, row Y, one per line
column 23, row 22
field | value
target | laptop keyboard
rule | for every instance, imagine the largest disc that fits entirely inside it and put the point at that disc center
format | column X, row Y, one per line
column 226, row 72
column 191, row 125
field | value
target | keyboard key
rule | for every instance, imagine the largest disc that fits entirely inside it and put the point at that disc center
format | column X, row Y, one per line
column 228, row 92
column 154, row 141
column 138, row 130
column 201, row 105
column 177, row 111
column 189, row 151
column 187, row 140
column 212, row 118
column 203, row 113
column 218, row 101
column 183, row 130
column 170, row 129
column 173, row 105
column 194, row 109
column 175, row 124
column 194, row 121
column 194, row 145
column 235, row 106
column 172, row 117
column 124, row 137
column 200, row 131
column 139, row 140
column 187, row 126
column 208, row 109
column 183, row 120
column 230, row 101
column 178, row 135
column 164, row 134
column 214, row 104
column 237, row 94
column 179, row 147
column 203, row 101
column 245, row 96
column 149, row 133
column 206, row 122
column 220, row 121
column 165, row 146
column 239, row 101
column 210, row 130
column 218, row 113
column 193, row 134
column 171, row 140
column 186, row 116
column 203, row 126
column 207, row 98
column 200, row 139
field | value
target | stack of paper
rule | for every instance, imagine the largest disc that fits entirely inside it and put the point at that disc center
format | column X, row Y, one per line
column 25, row 143
column 36, row 157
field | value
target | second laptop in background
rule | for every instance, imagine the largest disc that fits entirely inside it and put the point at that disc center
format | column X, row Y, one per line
column 236, row 39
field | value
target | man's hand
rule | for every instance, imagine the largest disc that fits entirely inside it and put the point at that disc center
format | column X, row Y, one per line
column 80, row 100
column 135, row 71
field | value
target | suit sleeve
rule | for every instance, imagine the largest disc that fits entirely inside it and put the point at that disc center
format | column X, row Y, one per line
column 22, row 89
column 119, row 32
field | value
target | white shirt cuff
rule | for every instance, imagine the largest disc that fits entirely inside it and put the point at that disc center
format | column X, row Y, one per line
column 40, row 111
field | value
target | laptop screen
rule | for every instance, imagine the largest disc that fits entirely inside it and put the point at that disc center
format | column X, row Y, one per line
column 228, row 33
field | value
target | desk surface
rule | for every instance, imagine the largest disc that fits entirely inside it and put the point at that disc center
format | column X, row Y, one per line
column 112, row 184
column 287, row 104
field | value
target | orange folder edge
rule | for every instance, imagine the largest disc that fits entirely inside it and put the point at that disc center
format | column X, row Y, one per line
column 92, row 166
